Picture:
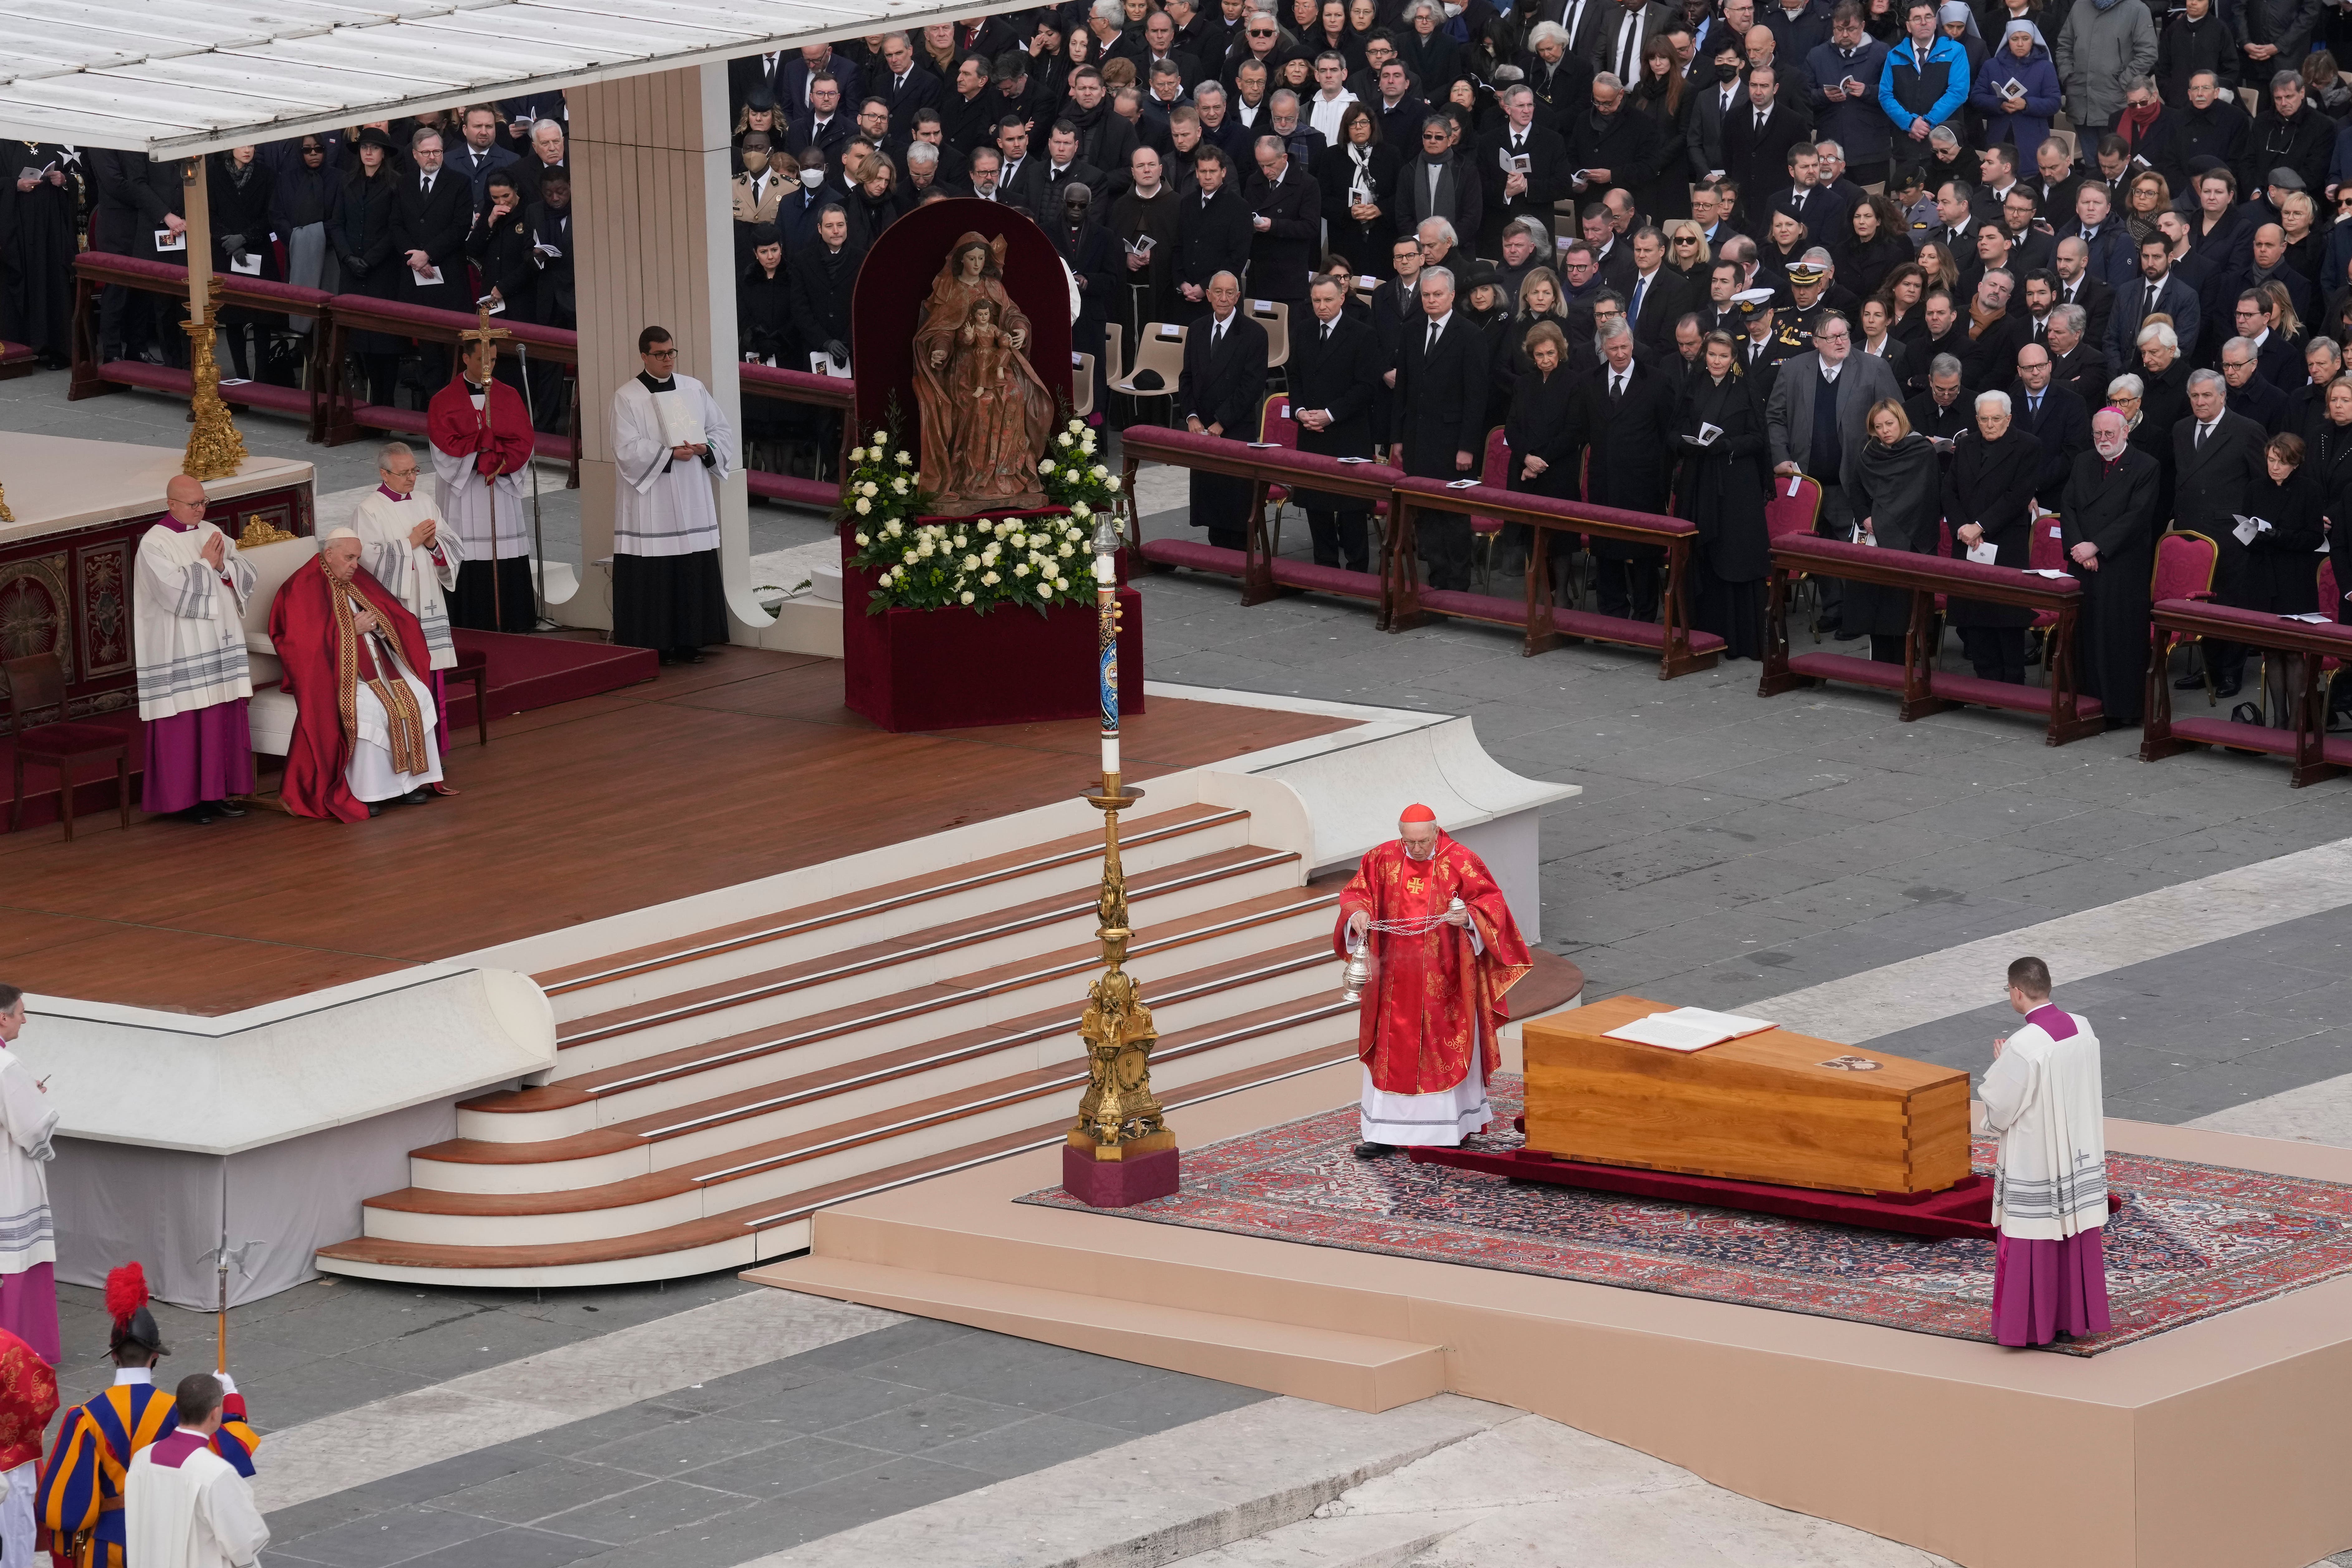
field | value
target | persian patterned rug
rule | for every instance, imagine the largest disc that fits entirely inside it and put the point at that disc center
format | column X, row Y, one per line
column 2189, row 1242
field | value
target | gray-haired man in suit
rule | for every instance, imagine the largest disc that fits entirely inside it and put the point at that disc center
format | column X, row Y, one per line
column 1817, row 422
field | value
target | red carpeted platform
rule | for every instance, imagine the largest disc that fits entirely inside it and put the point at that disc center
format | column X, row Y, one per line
column 529, row 672
column 1963, row 1209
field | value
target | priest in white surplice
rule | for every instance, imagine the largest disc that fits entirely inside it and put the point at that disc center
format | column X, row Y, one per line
column 187, row 606
column 2044, row 1097
column 28, row 1248
column 405, row 546
column 184, row 1506
column 672, row 446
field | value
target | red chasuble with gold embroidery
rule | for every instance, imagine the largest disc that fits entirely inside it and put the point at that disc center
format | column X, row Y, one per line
column 1429, row 993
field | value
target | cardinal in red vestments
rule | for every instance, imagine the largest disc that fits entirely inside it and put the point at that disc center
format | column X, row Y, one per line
column 1427, row 1038
column 355, row 682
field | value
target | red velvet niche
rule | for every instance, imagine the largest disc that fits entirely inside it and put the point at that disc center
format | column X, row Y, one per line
column 897, row 277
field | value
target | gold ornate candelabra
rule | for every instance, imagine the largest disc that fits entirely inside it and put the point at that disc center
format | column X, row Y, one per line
column 1108, row 1158
column 216, row 450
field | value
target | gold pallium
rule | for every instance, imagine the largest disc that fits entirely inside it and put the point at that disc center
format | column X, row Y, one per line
column 214, row 449
column 1119, row 1115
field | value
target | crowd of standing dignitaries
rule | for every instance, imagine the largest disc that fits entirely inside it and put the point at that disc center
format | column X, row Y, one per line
column 1960, row 265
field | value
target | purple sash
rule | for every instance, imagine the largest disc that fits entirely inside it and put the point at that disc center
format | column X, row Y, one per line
column 2055, row 1022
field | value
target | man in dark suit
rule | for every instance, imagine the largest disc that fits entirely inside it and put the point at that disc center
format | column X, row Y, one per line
column 1061, row 167
column 2156, row 292
column 2216, row 455
column 1612, row 143
column 2277, row 358
column 904, row 83
column 824, row 124
column 1624, row 416
column 1219, row 393
column 2076, row 362
column 968, row 113
column 478, row 155
column 2077, row 286
column 793, row 89
column 2108, row 527
column 1703, row 137
column 1159, row 44
column 757, row 73
column 1439, row 417
column 432, row 213
column 1286, row 221
column 1212, row 232
column 1399, row 109
column 1659, row 296
column 2250, row 394
column 1334, row 383
column 2052, row 415
column 136, row 197
column 1512, row 193
column 1756, row 138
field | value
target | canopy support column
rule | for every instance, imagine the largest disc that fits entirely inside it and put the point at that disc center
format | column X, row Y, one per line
column 654, row 245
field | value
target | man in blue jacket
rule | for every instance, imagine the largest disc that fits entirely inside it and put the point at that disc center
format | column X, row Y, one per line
column 1925, row 80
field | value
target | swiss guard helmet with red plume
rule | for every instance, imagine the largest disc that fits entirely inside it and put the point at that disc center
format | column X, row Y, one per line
column 134, row 1325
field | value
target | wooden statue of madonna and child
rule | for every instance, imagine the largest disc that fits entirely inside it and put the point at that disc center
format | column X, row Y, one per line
column 986, row 414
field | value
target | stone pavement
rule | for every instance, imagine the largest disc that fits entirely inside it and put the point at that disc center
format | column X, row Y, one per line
column 1726, row 850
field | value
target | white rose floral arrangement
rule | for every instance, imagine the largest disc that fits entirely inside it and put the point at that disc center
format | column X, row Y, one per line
column 1072, row 476
column 975, row 564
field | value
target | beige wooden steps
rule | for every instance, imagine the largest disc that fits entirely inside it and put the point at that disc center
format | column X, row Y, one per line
column 802, row 1089
column 1361, row 1371
column 742, row 1237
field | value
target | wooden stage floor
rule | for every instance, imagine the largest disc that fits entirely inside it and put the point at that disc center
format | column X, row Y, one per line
column 706, row 776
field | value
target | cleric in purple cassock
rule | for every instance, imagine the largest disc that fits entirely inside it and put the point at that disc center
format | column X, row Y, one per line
column 187, row 608
column 2043, row 1096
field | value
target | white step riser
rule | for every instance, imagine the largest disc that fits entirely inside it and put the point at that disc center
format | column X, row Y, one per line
column 693, row 1089
column 848, row 936
column 887, row 979
column 780, row 1183
column 717, row 1143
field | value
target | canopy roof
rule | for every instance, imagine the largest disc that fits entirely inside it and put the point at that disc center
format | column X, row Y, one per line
column 176, row 77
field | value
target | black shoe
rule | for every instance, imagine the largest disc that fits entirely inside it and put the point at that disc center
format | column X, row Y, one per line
column 418, row 795
column 687, row 656
column 1373, row 1150
column 226, row 808
column 2189, row 683
column 2226, row 688
column 200, row 814
column 374, row 808
column 1849, row 636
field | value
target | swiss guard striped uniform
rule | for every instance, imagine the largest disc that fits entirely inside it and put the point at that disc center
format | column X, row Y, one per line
column 81, row 1497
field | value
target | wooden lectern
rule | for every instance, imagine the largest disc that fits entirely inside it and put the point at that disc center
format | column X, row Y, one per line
column 1765, row 1108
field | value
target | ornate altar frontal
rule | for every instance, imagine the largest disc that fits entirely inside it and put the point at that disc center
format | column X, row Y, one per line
column 75, row 513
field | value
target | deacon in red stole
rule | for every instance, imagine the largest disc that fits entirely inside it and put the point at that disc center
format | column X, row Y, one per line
column 1427, row 1038
column 356, row 661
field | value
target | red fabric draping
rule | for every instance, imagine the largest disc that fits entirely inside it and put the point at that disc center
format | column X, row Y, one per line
column 1429, row 993
column 302, row 626
column 28, row 1397
column 499, row 434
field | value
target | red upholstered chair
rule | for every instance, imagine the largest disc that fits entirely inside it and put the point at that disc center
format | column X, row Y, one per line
column 1275, row 425
column 2185, row 563
column 1785, row 514
column 1494, row 468
column 36, row 682
column 2045, row 551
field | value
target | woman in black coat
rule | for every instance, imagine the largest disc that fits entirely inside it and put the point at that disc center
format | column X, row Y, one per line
column 1668, row 101
column 1722, row 490
column 1989, row 500
column 1868, row 244
column 1359, row 182
column 240, row 185
column 2281, row 577
column 363, row 252
column 1899, row 500
column 764, row 304
column 2327, row 455
column 2281, row 574
column 500, row 248
column 1543, row 452
column 1427, row 52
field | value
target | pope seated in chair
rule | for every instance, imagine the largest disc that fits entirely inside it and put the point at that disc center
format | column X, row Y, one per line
column 354, row 657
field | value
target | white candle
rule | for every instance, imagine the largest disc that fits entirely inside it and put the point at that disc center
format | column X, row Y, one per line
column 1110, row 754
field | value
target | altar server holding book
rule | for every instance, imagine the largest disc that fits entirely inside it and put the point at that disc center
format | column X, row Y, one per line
column 1442, row 948
column 2043, row 1096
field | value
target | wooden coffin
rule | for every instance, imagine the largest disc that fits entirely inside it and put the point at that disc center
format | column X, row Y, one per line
column 1762, row 1108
